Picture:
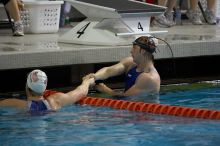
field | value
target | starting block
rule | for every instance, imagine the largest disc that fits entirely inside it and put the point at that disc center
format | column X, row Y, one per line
column 112, row 22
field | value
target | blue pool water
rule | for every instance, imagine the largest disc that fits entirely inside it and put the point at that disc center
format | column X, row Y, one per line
column 98, row 126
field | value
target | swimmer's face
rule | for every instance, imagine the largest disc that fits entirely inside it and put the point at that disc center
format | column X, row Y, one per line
column 136, row 53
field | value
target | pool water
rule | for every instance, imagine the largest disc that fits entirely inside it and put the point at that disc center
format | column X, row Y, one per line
column 87, row 126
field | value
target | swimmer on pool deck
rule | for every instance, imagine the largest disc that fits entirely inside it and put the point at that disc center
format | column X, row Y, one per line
column 35, row 88
column 142, row 77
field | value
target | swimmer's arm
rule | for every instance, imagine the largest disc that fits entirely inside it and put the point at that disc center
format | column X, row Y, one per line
column 107, row 72
column 60, row 99
column 113, row 70
column 134, row 90
column 143, row 84
column 81, row 91
column 105, row 89
column 13, row 102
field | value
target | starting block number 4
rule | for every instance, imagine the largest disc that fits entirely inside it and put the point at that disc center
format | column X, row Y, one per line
column 138, row 24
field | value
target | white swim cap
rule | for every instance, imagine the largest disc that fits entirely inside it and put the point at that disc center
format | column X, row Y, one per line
column 37, row 81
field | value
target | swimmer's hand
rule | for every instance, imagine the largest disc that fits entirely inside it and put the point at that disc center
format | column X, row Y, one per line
column 91, row 81
column 91, row 75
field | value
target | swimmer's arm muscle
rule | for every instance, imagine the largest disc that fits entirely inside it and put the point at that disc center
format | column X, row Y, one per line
column 113, row 70
column 105, row 89
column 60, row 99
column 13, row 102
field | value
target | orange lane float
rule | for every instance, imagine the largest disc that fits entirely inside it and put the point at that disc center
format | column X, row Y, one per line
column 149, row 107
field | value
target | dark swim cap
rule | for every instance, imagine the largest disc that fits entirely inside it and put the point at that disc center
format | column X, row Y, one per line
column 149, row 46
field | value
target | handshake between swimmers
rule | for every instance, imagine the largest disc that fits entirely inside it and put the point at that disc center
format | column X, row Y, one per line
column 141, row 77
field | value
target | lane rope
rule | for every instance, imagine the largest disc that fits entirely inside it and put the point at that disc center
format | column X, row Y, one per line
column 154, row 108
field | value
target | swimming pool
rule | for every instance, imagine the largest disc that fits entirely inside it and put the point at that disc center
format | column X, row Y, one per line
column 87, row 125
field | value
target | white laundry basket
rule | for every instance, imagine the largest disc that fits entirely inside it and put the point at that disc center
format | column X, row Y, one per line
column 41, row 16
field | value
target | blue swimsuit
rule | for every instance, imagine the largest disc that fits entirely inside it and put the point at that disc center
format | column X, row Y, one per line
column 131, row 77
column 41, row 105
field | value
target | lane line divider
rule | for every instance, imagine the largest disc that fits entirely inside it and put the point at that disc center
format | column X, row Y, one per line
column 154, row 108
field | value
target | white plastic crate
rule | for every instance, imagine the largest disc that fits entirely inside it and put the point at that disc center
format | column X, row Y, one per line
column 41, row 16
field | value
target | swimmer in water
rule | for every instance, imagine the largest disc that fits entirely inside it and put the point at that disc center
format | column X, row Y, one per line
column 142, row 77
column 36, row 101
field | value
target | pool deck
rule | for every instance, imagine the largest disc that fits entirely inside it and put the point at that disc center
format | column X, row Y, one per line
column 44, row 50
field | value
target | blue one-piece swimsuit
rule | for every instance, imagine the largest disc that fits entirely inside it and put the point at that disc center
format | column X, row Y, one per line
column 41, row 105
column 130, row 78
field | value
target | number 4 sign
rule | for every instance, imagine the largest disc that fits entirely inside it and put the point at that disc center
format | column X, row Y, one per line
column 138, row 24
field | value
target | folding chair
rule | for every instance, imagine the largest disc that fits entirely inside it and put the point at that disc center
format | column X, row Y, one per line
column 200, row 7
column 202, row 10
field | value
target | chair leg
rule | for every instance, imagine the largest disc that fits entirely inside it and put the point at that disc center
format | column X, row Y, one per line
column 202, row 10
column 9, row 19
column 180, row 3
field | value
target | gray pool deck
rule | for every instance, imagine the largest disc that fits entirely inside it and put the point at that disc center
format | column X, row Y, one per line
column 44, row 50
